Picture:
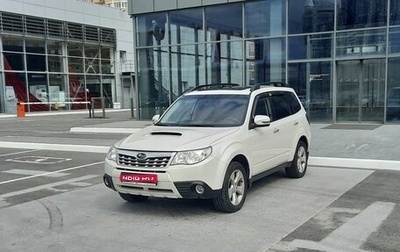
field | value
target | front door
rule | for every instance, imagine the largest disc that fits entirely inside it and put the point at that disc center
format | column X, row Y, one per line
column 360, row 93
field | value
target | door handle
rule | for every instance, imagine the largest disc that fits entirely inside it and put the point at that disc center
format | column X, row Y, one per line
column 276, row 130
column 296, row 123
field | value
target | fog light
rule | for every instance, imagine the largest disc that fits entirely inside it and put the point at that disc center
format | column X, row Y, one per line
column 106, row 182
column 199, row 189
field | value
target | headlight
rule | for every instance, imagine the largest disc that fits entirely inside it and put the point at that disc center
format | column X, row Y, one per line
column 112, row 154
column 191, row 157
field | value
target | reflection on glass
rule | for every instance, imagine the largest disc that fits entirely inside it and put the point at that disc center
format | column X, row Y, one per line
column 361, row 43
column 36, row 62
column 13, row 44
column 394, row 40
column 57, row 93
column 35, row 46
column 354, row 14
column 54, row 47
column 92, row 65
column 307, row 16
column 186, row 26
column 152, row 30
column 394, row 12
column 55, row 63
column 13, row 61
column 75, row 49
column 265, row 60
column 75, row 65
column 265, row 18
column 393, row 91
column 313, row 85
column 310, row 46
column 224, row 22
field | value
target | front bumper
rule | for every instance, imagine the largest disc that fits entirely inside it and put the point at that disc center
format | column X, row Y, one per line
column 173, row 182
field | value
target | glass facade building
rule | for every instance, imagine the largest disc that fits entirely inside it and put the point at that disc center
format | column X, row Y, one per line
column 54, row 65
column 341, row 56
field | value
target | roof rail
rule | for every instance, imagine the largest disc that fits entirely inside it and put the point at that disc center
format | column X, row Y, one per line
column 273, row 83
column 214, row 86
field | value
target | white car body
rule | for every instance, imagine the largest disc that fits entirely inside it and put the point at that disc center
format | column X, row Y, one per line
column 262, row 151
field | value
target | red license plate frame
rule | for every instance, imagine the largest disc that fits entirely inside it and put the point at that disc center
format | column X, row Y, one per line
column 138, row 178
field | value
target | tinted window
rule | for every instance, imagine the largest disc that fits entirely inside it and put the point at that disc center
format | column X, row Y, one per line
column 280, row 108
column 293, row 102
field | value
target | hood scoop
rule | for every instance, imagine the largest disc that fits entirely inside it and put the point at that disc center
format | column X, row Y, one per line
column 160, row 133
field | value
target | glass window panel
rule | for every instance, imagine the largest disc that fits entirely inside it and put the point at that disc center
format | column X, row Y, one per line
column 106, row 67
column 55, row 64
column 54, row 47
column 153, row 79
column 75, row 49
column 394, row 40
column 187, row 68
column 18, row 82
column 77, row 91
column 92, row 65
column 38, row 87
column 228, row 27
column 57, row 91
column 393, row 89
column 152, row 30
column 394, row 12
column 265, row 60
column 224, row 62
column 35, row 46
column 106, row 52
column 13, row 61
column 310, row 46
column 265, row 18
column 313, row 85
column 92, row 51
column 13, row 44
column 187, row 26
column 361, row 43
column 353, row 14
column 75, row 65
column 307, row 16
column 36, row 62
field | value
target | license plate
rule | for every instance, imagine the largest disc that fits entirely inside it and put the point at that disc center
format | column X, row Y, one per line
column 138, row 178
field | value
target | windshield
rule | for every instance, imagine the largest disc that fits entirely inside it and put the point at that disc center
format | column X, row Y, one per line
column 206, row 111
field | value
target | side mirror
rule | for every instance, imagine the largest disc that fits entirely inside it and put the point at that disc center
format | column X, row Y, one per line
column 155, row 119
column 262, row 120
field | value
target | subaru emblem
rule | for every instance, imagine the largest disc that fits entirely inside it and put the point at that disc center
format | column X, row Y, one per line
column 141, row 156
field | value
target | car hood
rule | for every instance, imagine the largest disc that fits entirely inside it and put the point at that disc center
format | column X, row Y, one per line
column 161, row 138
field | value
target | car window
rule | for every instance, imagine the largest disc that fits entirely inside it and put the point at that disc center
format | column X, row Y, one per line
column 207, row 111
column 263, row 107
column 280, row 108
column 293, row 102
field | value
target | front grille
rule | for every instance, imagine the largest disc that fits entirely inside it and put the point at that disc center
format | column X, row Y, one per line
column 151, row 160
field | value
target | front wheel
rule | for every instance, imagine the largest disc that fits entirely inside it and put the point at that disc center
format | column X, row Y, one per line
column 300, row 160
column 133, row 198
column 234, row 189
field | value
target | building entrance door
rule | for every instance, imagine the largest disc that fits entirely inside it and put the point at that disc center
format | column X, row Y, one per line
column 360, row 93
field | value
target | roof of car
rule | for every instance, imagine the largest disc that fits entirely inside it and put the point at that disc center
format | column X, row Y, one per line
column 231, row 88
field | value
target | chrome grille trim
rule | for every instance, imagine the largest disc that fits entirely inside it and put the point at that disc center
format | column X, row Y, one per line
column 152, row 160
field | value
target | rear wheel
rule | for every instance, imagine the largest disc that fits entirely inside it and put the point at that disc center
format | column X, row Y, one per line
column 300, row 160
column 234, row 189
column 133, row 198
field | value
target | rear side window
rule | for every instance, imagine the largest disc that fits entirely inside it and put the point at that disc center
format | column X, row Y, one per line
column 293, row 102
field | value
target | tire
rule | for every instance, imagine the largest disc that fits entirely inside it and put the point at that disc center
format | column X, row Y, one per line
column 234, row 189
column 300, row 161
column 133, row 198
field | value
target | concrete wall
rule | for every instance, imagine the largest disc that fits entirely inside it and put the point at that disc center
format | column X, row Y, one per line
column 136, row 7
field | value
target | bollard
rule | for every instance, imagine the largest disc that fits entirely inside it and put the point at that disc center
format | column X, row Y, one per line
column 20, row 110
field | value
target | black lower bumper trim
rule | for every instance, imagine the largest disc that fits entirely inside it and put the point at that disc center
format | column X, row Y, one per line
column 107, row 179
column 188, row 191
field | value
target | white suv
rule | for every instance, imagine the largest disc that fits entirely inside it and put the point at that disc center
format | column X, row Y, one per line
column 213, row 142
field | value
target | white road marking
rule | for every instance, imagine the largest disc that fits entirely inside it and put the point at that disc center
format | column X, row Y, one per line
column 372, row 164
column 351, row 235
column 104, row 130
column 16, row 153
column 46, row 186
column 56, row 147
column 46, row 174
column 38, row 160
column 35, row 173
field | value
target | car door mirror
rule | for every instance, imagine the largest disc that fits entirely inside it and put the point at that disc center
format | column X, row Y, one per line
column 262, row 120
column 155, row 119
